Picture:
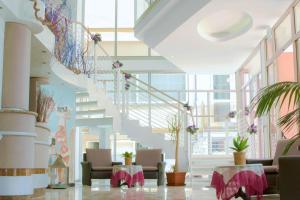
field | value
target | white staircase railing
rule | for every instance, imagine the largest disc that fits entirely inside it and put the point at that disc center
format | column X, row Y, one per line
column 151, row 107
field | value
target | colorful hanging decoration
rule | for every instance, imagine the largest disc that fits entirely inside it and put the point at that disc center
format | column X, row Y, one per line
column 117, row 64
column 68, row 49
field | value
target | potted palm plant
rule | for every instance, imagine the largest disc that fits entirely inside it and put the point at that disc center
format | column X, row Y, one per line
column 240, row 144
column 175, row 178
column 128, row 157
column 276, row 95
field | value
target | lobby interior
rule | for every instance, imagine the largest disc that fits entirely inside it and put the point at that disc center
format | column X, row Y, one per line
column 149, row 99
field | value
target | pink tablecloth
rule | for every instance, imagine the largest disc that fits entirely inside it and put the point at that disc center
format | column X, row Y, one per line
column 228, row 180
column 129, row 174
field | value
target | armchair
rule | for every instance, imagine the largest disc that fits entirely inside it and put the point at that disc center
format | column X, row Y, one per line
column 271, row 166
column 289, row 170
column 97, row 164
column 152, row 162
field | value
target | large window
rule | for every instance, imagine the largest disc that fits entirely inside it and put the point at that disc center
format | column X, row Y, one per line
column 280, row 55
column 100, row 18
column 283, row 33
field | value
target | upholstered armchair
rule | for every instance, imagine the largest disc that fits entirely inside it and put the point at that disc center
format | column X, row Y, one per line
column 152, row 162
column 289, row 170
column 271, row 166
column 97, row 164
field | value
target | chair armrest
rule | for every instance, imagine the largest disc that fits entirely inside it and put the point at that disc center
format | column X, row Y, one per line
column 161, row 167
column 116, row 163
column 86, row 173
column 264, row 162
column 161, row 173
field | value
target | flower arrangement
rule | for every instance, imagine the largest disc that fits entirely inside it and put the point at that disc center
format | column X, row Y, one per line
column 96, row 38
column 127, row 76
column 117, row 65
column 45, row 106
column 252, row 129
column 247, row 111
column 232, row 114
column 127, row 86
column 187, row 106
column 192, row 129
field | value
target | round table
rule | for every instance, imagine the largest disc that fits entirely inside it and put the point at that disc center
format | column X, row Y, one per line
column 127, row 174
column 229, row 181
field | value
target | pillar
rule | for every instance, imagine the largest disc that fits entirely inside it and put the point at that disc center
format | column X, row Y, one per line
column 17, row 124
column 42, row 141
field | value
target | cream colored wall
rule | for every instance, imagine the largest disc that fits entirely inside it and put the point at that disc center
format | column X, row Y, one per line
column 2, row 28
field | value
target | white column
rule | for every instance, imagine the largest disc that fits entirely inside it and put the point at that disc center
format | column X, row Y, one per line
column 17, row 124
column 17, row 48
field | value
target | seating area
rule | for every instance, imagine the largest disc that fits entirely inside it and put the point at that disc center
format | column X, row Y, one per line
column 149, row 99
column 97, row 164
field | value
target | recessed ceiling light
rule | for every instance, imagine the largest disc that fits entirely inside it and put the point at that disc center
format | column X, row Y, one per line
column 224, row 25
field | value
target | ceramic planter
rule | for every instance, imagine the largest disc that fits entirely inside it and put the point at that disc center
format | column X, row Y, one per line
column 239, row 158
column 176, row 178
column 128, row 161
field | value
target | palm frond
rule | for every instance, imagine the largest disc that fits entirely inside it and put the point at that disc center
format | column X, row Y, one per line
column 290, row 120
column 273, row 95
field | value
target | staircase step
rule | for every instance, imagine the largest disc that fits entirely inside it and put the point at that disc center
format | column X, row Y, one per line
column 82, row 94
column 87, row 103
column 103, row 122
column 91, row 112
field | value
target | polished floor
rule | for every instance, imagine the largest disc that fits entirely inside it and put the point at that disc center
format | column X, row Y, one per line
column 195, row 189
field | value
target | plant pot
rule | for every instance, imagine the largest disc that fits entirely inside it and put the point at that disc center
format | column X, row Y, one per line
column 176, row 178
column 239, row 158
column 128, row 161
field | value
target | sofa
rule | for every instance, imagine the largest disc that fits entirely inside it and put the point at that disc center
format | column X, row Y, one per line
column 152, row 163
column 97, row 164
column 271, row 166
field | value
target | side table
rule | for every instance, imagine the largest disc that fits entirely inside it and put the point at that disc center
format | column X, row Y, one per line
column 127, row 174
column 229, row 181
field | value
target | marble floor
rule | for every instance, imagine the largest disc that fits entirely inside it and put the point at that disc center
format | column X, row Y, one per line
column 195, row 189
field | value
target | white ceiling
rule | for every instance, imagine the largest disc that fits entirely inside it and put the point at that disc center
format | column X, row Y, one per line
column 192, row 53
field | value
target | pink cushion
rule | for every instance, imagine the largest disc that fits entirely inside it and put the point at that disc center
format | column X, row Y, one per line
column 281, row 144
column 148, row 157
column 99, row 157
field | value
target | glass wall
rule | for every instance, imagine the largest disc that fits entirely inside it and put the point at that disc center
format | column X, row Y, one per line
column 279, row 57
column 100, row 16
column 213, row 97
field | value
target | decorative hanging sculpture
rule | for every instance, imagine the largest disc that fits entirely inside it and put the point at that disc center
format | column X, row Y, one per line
column 68, row 49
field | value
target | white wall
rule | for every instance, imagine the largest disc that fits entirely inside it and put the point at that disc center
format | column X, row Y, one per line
column 2, row 29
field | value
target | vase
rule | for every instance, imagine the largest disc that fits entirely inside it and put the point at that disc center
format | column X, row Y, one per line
column 176, row 178
column 128, row 161
column 239, row 158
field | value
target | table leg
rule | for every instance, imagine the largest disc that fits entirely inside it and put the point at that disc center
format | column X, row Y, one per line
column 242, row 194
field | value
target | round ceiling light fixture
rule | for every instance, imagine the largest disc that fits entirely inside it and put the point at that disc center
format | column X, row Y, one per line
column 224, row 25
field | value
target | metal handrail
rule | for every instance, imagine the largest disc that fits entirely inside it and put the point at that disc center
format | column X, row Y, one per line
column 156, row 90
column 156, row 96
